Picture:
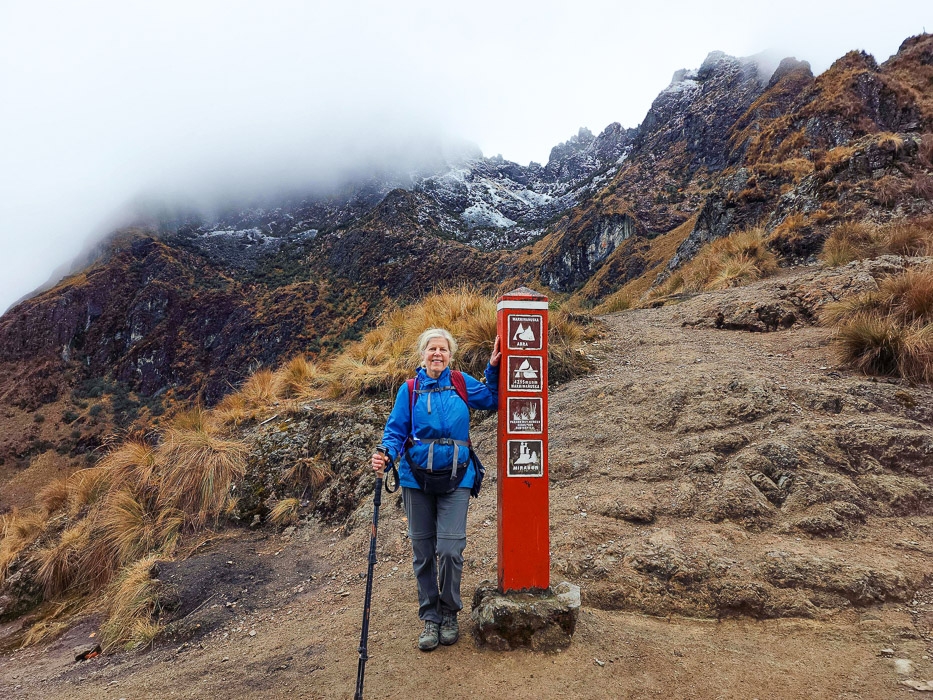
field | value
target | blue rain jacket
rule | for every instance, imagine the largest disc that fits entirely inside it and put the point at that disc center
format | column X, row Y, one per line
column 449, row 418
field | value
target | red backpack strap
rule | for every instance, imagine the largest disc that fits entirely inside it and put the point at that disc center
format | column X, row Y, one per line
column 411, row 394
column 456, row 378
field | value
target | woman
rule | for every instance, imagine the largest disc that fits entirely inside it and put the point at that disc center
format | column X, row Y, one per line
column 430, row 430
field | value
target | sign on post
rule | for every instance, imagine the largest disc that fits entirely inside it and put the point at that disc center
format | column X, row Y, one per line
column 523, row 538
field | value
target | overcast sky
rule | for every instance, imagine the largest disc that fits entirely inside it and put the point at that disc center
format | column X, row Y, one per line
column 101, row 102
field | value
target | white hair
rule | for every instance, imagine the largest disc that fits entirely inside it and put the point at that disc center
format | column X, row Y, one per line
column 425, row 338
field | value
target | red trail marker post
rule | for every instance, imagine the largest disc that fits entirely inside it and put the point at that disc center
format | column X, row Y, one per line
column 523, row 610
column 522, row 485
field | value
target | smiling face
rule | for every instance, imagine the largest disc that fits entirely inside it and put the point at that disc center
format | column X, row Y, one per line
column 436, row 356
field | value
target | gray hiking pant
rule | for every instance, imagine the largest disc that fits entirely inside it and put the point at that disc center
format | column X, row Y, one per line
column 437, row 528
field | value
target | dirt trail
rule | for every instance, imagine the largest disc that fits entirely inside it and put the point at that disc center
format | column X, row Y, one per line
column 699, row 580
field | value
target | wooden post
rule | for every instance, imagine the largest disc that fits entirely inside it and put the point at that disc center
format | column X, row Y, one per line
column 523, row 539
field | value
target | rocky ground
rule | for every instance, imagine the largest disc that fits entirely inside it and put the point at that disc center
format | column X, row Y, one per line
column 745, row 520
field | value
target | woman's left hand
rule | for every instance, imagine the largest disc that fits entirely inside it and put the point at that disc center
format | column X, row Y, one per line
column 496, row 354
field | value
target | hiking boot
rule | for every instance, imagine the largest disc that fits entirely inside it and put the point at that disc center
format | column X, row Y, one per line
column 450, row 630
column 427, row 640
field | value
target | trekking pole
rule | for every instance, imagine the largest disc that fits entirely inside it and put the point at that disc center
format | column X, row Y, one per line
column 364, row 633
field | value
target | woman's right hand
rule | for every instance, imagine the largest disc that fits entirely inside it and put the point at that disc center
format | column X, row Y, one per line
column 379, row 461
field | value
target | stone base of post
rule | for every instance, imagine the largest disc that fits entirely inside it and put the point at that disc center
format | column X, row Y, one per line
column 537, row 620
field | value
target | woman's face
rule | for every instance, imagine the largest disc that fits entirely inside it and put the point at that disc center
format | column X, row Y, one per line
column 436, row 357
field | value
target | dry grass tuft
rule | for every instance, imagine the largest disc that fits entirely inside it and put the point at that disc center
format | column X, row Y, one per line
column 54, row 620
column 870, row 343
column 198, row 470
column 128, row 528
column 53, row 497
column 134, row 462
column 909, row 295
column 18, row 530
column 851, row 241
column 387, row 356
column 133, row 607
column 888, row 332
column 912, row 238
column 297, row 379
column 233, row 410
column 285, row 512
column 863, row 240
column 621, row 300
column 86, row 487
column 259, row 389
column 737, row 259
column 308, row 473
column 61, row 566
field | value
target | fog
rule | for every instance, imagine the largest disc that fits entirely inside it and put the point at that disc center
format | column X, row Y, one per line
column 105, row 103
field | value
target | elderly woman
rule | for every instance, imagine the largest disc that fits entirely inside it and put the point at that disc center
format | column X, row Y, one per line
column 429, row 428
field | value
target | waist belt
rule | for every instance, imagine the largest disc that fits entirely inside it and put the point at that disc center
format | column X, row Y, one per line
column 441, row 441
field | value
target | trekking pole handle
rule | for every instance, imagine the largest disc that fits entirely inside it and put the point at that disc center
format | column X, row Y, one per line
column 389, row 469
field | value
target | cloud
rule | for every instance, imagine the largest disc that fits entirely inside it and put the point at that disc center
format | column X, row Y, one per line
column 106, row 101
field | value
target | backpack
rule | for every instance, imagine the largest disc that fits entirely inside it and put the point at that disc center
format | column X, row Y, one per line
column 443, row 479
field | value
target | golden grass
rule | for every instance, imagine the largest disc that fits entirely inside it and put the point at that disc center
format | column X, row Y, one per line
column 259, row 389
column 61, row 566
column 54, row 619
column 129, row 529
column 308, row 473
column 886, row 138
column 198, row 469
column 233, row 410
column 912, row 238
column 620, row 300
column 888, row 332
column 133, row 607
column 387, row 356
column 53, row 497
column 297, row 378
column 863, row 240
column 86, row 487
column 870, row 343
column 737, row 259
column 909, row 295
column 18, row 530
column 134, row 463
column 285, row 512
column 835, row 157
column 851, row 241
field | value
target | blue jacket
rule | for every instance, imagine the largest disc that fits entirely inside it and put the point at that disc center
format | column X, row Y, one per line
column 449, row 418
